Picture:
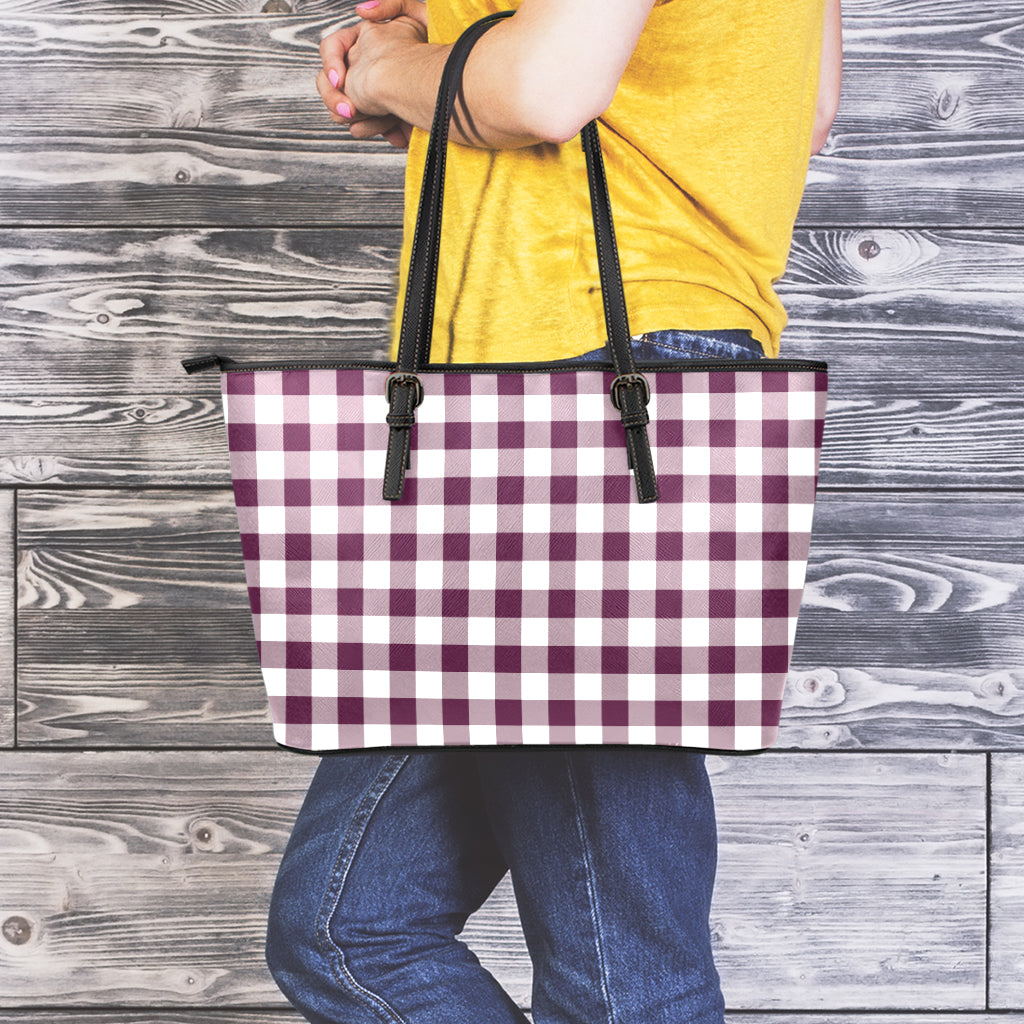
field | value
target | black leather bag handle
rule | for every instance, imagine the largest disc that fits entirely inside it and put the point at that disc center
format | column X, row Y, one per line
column 629, row 392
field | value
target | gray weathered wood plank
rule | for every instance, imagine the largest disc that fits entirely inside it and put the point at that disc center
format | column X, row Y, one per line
column 911, row 625
column 152, row 626
column 94, row 393
column 860, row 882
column 888, row 847
column 884, row 17
column 7, row 603
column 254, row 75
column 919, row 1017
column 1006, row 899
column 134, row 626
column 193, row 178
column 110, row 313
column 880, row 439
column 171, row 8
column 234, row 124
column 143, row 879
column 141, row 299
column 134, row 611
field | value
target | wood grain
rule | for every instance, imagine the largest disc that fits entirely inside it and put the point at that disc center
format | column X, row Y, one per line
column 909, row 631
column 192, row 178
column 210, row 117
column 839, row 860
column 881, row 17
column 134, row 626
column 111, row 313
column 1006, row 897
column 911, row 625
column 252, row 74
column 164, row 8
column 93, row 391
column 143, row 878
column 837, row 864
column 195, row 179
column 7, row 601
column 170, row 185
column 134, row 613
column 141, row 299
column 854, row 842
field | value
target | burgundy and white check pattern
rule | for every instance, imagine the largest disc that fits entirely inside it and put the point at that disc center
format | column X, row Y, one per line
column 519, row 593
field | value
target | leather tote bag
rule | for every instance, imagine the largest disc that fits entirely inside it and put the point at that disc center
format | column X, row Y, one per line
column 534, row 553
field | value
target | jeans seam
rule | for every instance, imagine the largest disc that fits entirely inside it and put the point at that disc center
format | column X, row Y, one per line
column 339, row 875
column 588, row 868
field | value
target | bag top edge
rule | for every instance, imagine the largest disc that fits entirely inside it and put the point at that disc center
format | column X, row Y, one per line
column 562, row 365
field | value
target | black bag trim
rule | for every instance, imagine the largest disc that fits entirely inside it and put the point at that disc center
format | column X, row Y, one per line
column 421, row 286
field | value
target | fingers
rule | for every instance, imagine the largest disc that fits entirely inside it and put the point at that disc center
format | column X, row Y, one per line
column 385, row 10
column 331, row 79
column 335, row 48
column 339, row 106
column 342, row 111
column 394, row 131
column 400, row 136
column 335, row 45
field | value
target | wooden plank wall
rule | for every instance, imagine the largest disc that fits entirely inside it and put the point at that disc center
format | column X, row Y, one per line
column 169, row 186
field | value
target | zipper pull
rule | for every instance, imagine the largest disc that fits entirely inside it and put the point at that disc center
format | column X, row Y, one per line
column 199, row 363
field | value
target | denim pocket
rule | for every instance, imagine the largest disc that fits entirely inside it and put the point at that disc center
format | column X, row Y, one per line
column 680, row 344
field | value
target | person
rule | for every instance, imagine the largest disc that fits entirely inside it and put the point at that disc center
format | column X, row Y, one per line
column 709, row 112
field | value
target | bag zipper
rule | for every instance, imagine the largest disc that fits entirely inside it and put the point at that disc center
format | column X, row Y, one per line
column 227, row 365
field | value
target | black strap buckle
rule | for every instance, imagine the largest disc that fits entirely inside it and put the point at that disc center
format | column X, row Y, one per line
column 629, row 380
column 404, row 379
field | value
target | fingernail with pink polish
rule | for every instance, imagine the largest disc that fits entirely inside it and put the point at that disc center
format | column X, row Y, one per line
column 333, row 77
column 344, row 109
column 369, row 5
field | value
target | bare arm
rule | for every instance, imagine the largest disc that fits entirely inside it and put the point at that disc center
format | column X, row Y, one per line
column 537, row 77
column 830, row 75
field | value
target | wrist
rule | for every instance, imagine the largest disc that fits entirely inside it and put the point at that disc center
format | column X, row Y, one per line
column 407, row 80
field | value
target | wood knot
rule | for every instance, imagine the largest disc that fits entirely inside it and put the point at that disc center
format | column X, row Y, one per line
column 277, row 7
column 1000, row 686
column 204, row 836
column 946, row 104
column 818, row 688
column 17, row 930
column 32, row 468
column 868, row 249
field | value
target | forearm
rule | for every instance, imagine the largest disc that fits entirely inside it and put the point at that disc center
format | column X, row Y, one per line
column 537, row 77
column 830, row 75
column 406, row 82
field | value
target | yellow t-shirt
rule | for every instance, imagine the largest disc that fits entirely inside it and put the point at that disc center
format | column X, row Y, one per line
column 706, row 145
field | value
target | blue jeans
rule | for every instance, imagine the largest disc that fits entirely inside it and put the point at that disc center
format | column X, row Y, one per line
column 677, row 344
column 612, row 853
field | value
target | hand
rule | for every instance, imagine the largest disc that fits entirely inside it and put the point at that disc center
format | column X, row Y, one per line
column 350, row 56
